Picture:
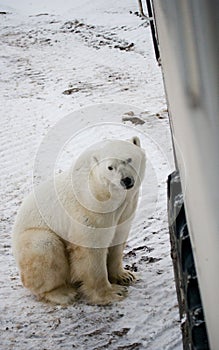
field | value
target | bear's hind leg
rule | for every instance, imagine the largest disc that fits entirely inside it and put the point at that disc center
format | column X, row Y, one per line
column 44, row 266
column 62, row 295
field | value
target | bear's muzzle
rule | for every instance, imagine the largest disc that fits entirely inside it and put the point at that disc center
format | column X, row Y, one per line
column 127, row 182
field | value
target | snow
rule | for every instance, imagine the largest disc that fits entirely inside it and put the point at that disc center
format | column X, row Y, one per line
column 112, row 89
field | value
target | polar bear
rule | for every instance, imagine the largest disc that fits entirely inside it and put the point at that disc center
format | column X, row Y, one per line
column 70, row 232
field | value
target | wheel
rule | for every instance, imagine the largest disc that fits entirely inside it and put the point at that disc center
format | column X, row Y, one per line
column 190, row 306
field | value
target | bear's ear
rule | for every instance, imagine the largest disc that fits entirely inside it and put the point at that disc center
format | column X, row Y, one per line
column 136, row 141
column 94, row 160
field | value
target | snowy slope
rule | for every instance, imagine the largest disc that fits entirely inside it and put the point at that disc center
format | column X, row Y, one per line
column 85, row 70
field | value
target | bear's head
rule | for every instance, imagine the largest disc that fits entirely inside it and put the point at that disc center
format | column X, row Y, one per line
column 108, row 173
column 118, row 164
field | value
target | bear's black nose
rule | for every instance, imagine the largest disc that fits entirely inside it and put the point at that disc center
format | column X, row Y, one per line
column 127, row 182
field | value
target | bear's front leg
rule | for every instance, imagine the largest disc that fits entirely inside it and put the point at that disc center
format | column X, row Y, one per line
column 116, row 272
column 89, row 268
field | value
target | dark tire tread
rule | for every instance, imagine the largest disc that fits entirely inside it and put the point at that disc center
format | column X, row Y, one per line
column 191, row 312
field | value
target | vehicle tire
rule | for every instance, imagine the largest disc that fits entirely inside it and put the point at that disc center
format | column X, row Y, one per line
column 190, row 306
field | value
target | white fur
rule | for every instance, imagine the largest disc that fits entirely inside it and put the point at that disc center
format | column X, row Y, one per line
column 72, row 229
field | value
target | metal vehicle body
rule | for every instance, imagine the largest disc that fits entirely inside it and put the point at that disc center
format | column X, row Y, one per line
column 186, row 38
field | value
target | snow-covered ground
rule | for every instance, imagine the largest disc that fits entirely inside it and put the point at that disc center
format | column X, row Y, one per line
column 85, row 70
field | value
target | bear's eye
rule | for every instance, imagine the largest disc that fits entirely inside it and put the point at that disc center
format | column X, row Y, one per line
column 110, row 167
